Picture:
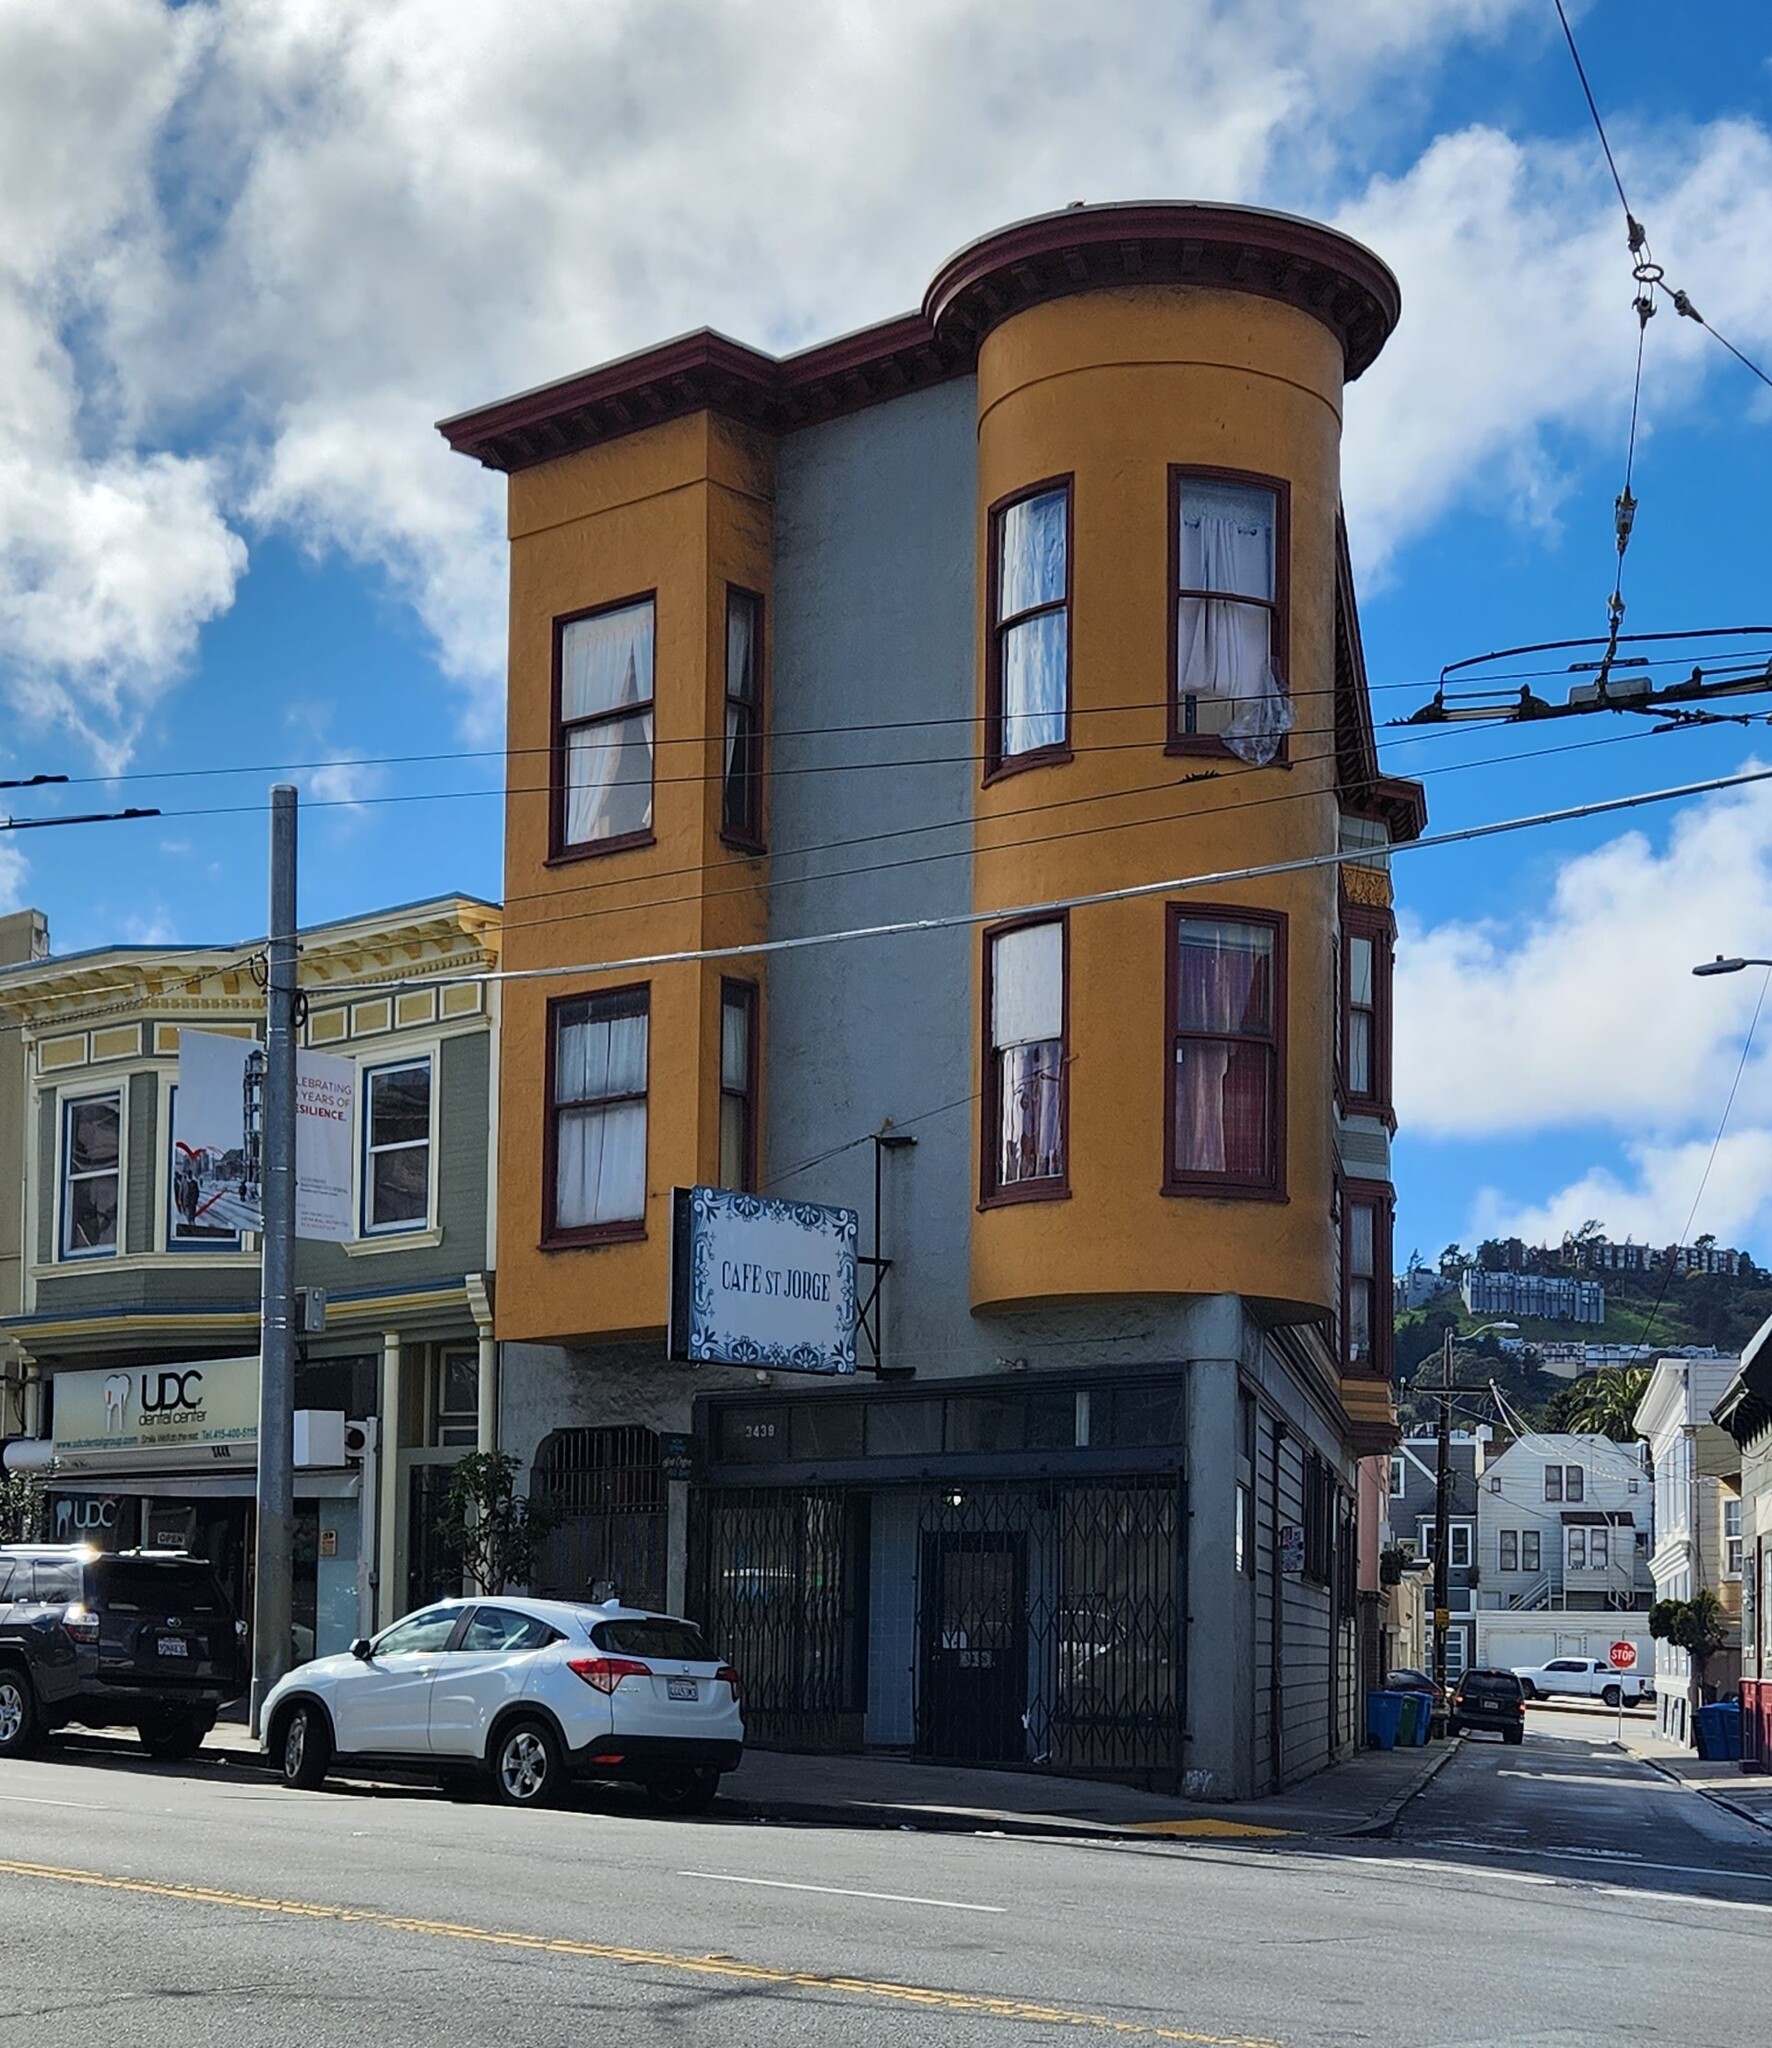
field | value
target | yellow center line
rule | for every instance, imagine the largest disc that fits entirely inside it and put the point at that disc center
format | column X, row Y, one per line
column 928, row 1996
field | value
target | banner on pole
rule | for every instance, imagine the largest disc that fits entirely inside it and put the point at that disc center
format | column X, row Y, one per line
column 218, row 1140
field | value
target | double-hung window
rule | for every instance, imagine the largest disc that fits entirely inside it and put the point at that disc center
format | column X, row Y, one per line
column 1226, row 1086
column 92, row 1145
column 396, row 1147
column 738, row 1085
column 1025, row 1089
column 603, row 728
column 1509, row 1560
column 1732, row 1538
column 1228, row 673
column 1028, row 693
column 1575, row 1550
column 1599, row 1546
column 1366, row 1278
column 1531, row 1550
column 597, row 1168
column 741, row 795
column 1365, row 1008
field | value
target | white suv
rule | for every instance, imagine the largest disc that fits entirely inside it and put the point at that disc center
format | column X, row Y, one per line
column 529, row 1693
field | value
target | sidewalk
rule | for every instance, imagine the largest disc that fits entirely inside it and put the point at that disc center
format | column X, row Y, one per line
column 1360, row 1797
column 1747, row 1794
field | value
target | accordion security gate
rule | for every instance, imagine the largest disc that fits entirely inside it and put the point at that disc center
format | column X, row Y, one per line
column 605, row 1492
column 1043, row 1626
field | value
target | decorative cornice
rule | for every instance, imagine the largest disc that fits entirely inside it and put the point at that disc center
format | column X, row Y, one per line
column 1083, row 248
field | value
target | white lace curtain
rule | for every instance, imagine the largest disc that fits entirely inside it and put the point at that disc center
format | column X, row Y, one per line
column 600, row 1164
column 1223, row 649
column 606, row 668
column 1027, row 1038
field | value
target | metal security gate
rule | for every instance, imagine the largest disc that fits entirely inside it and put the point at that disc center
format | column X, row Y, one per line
column 606, row 1491
column 1044, row 1621
column 433, row 1567
column 778, row 1581
column 1050, row 1626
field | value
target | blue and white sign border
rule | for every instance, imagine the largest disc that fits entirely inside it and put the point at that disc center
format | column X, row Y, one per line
column 697, row 1333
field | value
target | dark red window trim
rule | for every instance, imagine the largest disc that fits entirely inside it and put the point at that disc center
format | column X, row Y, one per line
column 1269, row 1187
column 1365, row 921
column 560, row 848
column 1380, row 1197
column 1050, row 1187
column 745, row 834
column 553, row 1238
column 1179, row 740
column 746, row 993
column 996, row 762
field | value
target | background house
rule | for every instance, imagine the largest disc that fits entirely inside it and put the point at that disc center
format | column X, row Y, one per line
column 1698, row 1533
column 1412, row 1501
column 1744, row 1413
column 1564, row 1526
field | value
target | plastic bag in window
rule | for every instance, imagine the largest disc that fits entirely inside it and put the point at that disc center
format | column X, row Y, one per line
column 1260, row 722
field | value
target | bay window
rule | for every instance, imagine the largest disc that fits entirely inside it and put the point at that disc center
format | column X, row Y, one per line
column 1028, row 679
column 92, row 1151
column 396, row 1147
column 1025, row 1093
column 603, row 728
column 596, row 1168
column 1227, row 978
column 738, row 1085
column 1365, row 1008
column 1228, row 614
column 741, row 791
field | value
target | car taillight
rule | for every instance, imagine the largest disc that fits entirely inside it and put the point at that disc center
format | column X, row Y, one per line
column 606, row 1673
column 82, row 1624
column 727, row 1673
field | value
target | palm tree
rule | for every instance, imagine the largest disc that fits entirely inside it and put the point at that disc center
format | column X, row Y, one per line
column 1605, row 1404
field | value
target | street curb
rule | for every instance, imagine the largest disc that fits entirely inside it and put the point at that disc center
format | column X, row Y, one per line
column 1384, row 1821
column 1704, row 1791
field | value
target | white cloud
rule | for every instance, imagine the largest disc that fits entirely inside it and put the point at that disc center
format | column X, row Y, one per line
column 1655, row 1203
column 13, row 869
column 1581, row 1009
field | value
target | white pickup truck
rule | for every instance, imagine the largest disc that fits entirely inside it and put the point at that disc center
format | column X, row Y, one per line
column 1586, row 1678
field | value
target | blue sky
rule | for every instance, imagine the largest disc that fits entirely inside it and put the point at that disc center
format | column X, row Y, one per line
column 249, row 252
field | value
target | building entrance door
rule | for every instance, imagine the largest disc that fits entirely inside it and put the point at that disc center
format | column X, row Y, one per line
column 974, row 1626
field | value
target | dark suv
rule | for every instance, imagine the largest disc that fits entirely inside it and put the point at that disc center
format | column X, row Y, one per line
column 1489, row 1699
column 133, row 1638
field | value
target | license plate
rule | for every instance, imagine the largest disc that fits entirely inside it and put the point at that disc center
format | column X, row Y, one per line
column 173, row 1646
column 682, row 1689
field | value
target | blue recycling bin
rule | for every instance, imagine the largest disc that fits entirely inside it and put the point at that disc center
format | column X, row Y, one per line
column 1719, row 1733
column 1384, row 1716
column 1424, row 1717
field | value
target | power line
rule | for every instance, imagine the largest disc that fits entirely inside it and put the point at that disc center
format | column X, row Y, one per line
column 1191, row 815
column 1593, row 109
column 85, row 818
column 1131, row 893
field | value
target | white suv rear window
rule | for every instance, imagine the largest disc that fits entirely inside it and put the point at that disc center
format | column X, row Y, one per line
column 652, row 1636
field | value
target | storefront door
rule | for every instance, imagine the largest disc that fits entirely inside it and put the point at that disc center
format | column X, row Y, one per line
column 973, row 1696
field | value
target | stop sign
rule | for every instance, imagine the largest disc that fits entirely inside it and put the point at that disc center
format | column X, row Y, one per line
column 1624, row 1656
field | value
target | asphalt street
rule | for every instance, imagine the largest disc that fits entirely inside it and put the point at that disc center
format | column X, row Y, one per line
column 1553, row 1894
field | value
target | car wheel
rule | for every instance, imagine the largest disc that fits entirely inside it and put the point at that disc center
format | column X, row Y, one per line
column 174, row 1738
column 691, row 1791
column 527, row 1768
column 18, row 1712
column 304, row 1747
column 1527, row 1689
column 1612, row 1696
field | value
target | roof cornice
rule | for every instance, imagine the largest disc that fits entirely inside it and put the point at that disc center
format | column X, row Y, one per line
column 1327, row 275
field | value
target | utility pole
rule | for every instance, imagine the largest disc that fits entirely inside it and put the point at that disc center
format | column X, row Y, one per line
column 272, row 1585
column 1442, row 1506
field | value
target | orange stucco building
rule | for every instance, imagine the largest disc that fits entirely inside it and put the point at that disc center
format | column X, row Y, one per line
column 894, row 729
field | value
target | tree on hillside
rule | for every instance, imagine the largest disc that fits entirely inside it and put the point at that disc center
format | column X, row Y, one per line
column 1605, row 1403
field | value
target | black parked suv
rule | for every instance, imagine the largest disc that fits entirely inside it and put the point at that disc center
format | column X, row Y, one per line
column 133, row 1638
column 1489, row 1699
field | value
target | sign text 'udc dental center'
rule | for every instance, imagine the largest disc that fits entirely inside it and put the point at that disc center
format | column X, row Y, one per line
column 761, row 1283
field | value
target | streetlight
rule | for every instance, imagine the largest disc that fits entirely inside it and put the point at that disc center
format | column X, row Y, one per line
column 1721, row 966
column 1443, row 1497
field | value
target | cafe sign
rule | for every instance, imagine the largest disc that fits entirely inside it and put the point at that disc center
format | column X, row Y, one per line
column 207, row 1410
column 762, row 1283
